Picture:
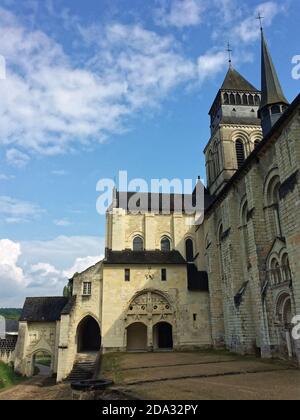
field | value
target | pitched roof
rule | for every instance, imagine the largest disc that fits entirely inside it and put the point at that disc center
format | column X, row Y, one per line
column 69, row 306
column 235, row 81
column 272, row 92
column 145, row 257
column 43, row 309
column 11, row 326
column 155, row 202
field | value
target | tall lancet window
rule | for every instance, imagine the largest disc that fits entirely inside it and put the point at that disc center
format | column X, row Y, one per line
column 240, row 153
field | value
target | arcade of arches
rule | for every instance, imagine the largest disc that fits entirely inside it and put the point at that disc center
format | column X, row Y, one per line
column 150, row 320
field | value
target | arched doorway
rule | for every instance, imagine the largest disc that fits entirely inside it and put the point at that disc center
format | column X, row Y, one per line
column 88, row 336
column 284, row 318
column 137, row 337
column 42, row 363
column 163, row 336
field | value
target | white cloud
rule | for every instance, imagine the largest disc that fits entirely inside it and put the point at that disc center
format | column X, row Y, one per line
column 180, row 13
column 59, row 172
column 211, row 64
column 62, row 223
column 42, row 268
column 62, row 251
column 4, row 177
column 51, row 104
column 81, row 264
column 248, row 29
column 17, row 158
column 17, row 211
column 12, row 279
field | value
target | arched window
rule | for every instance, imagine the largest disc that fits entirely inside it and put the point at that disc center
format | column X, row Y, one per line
column 240, row 153
column 273, row 201
column 244, row 222
column 189, row 250
column 220, row 233
column 211, row 167
column 275, row 109
column 165, row 244
column 232, row 99
column 216, row 159
column 286, row 268
column 257, row 100
column 238, row 99
column 138, row 244
column 245, row 99
column 226, row 99
column 251, row 100
column 274, row 271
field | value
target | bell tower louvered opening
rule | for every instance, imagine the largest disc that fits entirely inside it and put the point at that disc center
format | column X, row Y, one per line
column 240, row 153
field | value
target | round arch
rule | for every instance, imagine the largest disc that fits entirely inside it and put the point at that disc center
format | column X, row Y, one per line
column 163, row 336
column 189, row 249
column 88, row 335
column 269, row 183
column 284, row 308
column 243, row 138
column 244, row 211
column 136, row 334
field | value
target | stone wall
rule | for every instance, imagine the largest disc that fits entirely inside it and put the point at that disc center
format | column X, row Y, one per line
column 239, row 256
column 35, row 337
column 84, row 306
column 118, row 295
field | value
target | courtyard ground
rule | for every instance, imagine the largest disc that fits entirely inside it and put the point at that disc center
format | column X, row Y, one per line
column 202, row 376
column 38, row 388
column 180, row 376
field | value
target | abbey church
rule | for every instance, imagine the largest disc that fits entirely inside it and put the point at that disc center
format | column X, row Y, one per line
column 167, row 283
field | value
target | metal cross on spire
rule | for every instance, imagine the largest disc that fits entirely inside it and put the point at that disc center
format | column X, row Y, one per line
column 260, row 18
column 229, row 50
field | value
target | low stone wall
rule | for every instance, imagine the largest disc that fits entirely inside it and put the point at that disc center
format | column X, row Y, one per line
column 7, row 349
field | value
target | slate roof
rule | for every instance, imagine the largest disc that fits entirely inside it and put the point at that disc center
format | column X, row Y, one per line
column 235, row 81
column 156, row 202
column 11, row 326
column 128, row 257
column 43, row 309
column 272, row 92
column 241, row 120
column 69, row 306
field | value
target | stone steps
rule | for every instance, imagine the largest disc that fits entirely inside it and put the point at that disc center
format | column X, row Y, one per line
column 84, row 368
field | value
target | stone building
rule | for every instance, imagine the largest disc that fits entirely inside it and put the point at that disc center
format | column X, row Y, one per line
column 165, row 283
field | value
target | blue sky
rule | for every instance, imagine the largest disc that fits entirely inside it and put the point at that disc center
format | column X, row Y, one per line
column 98, row 86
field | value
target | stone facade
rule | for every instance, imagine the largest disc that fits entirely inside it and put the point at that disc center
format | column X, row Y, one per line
column 149, row 293
column 34, row 338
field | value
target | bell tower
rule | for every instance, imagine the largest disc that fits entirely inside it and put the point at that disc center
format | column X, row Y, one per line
column 235, row 129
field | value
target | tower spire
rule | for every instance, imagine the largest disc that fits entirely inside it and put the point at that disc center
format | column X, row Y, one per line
column 273, row 101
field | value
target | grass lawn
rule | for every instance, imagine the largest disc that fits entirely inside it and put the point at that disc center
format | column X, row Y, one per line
column 8, row 377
